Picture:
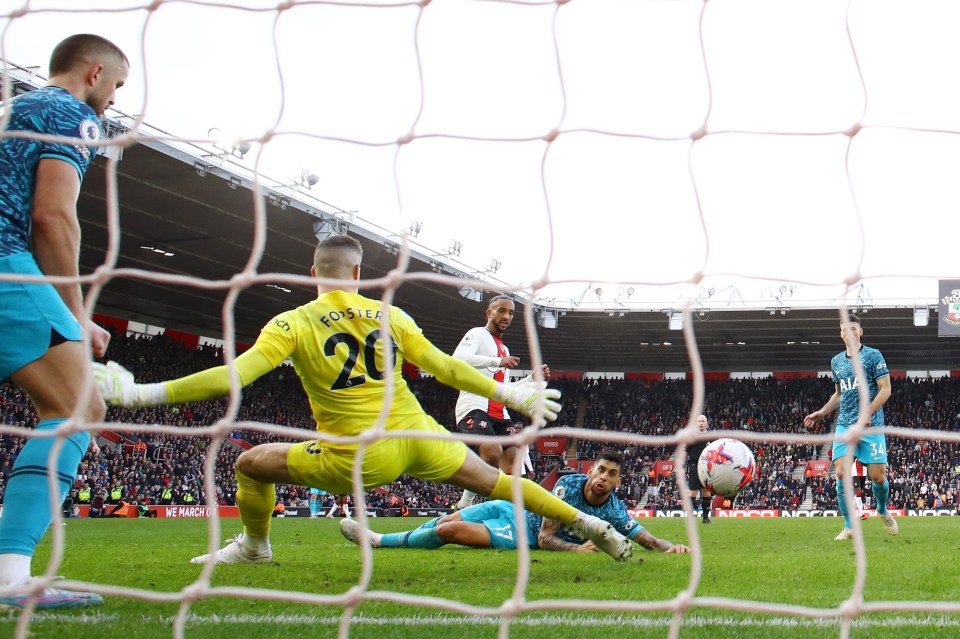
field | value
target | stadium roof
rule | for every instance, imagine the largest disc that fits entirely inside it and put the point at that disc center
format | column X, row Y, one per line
column 207, row 225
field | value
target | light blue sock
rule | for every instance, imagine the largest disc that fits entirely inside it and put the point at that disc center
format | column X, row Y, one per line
column 842, row 504
column 314, row 507
column 419, row 538
column 399, row 540
column 26, row 503
column 881, row 492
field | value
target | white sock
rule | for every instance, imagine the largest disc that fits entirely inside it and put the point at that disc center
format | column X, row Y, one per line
column 580, row 522
column 346, row 511
column 253, row 542
column 467, row 499
column 13, row 569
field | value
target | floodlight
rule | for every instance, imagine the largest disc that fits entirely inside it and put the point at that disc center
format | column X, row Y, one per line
column 676, row 320
column 547, row 318
column 471, row 293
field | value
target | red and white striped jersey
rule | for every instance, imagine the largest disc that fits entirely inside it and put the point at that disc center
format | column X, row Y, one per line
column 483, row 351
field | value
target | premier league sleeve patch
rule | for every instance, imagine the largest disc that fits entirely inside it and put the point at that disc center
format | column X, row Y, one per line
column 89, row 131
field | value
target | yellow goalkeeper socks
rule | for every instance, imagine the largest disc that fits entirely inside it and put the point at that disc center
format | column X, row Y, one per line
column 535, row 499
column 256, row 501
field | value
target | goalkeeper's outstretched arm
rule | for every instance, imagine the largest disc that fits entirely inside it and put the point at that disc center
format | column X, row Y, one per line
column 521, row 396
column 117, row 385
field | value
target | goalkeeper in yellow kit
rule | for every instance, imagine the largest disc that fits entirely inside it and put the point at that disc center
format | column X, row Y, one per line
column 337, row 349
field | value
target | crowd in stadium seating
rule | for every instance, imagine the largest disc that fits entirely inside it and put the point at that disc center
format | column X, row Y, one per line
column 160, row 468
column 927, row 471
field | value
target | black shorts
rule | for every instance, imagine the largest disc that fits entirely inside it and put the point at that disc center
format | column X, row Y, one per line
column 693, row 478
column 477, row 422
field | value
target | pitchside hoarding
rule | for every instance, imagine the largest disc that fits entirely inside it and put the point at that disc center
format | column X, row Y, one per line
column 949, row 316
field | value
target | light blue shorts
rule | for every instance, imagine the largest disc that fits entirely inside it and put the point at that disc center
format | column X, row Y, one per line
column 499, row 517
column 872, row 448
column 31, row 315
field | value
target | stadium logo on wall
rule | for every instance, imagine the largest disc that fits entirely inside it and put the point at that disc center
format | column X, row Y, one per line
column 949, row 309
column 952, row 302
column 953, row 313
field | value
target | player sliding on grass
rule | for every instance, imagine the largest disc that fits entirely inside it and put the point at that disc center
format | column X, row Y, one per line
column 337, row 349
column 493, row 524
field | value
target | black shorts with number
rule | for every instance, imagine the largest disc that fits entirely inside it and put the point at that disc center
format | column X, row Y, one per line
column 477, row 422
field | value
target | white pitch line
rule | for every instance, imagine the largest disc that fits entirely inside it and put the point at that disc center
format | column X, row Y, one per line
column 85, row 618
column 443, row 620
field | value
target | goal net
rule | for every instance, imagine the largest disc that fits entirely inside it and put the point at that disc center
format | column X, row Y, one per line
column 562, row 149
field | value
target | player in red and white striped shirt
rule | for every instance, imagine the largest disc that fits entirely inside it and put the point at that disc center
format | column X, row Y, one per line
column 859, row 471
column 483, row 348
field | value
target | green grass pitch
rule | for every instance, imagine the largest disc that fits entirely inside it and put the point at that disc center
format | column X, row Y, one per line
column 791, row 561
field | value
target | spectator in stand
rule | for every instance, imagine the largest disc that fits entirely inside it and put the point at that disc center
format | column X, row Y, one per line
column 68, row 502
column 772, row 403
column 98, row 505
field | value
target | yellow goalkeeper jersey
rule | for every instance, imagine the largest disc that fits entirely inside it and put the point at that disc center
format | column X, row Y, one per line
column 337, row 349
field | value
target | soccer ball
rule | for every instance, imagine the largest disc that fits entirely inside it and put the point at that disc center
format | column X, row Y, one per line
column 726, row 466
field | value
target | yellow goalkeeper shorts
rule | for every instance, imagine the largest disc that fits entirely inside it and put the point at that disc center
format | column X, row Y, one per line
column 314, row 464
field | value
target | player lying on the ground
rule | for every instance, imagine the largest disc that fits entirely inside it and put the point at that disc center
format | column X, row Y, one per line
column 336, row 347
column 493, row 524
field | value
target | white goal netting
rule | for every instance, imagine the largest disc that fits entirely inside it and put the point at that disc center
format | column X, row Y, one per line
column 654, row 144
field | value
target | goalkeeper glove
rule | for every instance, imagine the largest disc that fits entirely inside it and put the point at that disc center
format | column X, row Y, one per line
column 522, row 396
column 118, row 388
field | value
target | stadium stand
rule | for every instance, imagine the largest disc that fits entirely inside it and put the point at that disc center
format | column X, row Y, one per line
column 159, row 468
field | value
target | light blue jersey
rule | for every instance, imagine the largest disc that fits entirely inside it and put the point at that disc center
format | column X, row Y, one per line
column 32, row 314
column 51, row 111
column 499, row 516
column 844, row 376
column 570, row 490
column 872, row 447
